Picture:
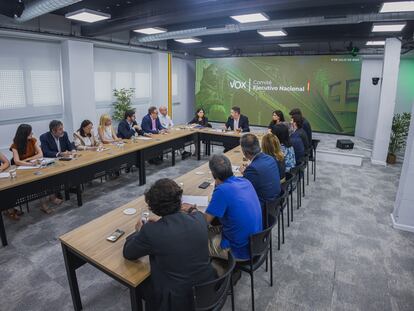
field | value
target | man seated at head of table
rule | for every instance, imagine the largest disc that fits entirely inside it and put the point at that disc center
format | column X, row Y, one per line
column 177, row 244
column 55, row 143
column 129, row 127
column 106, row 131
column 84, row 137
column 235, row 204
column 151, row 123
column 27, row 152
column 262, row 171
column 236, row 122
column 164, row 118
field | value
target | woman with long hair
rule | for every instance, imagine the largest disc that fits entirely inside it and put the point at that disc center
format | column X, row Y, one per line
column 27, row 152
column 84, row 138
column 106, row 131
column 271, row 146
column 282, row 133
column 200, row 118
column 277, row 118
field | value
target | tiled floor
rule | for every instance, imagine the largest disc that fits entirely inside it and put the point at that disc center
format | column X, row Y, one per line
column 340, row 253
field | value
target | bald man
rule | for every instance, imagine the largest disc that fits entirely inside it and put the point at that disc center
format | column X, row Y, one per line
column 164, row 118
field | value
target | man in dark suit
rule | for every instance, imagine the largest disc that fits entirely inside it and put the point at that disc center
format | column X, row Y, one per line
column 177, row 245
column 298, row 130
column 236, row 122
column 262, row 172
column 151, row 123
column 55, row 143
column 128, row 127
column 306, row 125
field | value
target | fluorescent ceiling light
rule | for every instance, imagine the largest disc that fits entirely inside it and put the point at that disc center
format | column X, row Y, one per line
column 402, row 6
column 375, row 43
column 272, row 33
column 218, row 48
column 188, row 40
column 250, row 18
column 88, row 16
column 388, row 27
column 151, row 30
column 289, row 45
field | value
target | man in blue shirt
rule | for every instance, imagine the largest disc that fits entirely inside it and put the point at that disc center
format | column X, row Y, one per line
column 262, row 172
column 236, row 205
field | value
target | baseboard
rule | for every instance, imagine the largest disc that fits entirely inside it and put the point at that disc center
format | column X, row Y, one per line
column 378, row 162
column 395, row 225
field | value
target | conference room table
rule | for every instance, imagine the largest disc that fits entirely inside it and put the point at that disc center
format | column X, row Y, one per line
column 88, row 244
column 31, row 184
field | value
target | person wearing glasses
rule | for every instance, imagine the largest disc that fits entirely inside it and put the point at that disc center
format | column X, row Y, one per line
column 151, row 123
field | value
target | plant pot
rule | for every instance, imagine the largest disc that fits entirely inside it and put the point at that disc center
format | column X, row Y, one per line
column 391, row 158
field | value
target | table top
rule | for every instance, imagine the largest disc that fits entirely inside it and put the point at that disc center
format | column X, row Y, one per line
column 89, row 240
column 90, row 157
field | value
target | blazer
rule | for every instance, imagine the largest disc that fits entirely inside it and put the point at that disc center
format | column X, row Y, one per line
column 125, row 131
column 243, row 123
column 49, row 147
column 146, row 125
column 177, row 246
column 263, row 173
column 298, row 146
column 304, row 137
column 203, row 122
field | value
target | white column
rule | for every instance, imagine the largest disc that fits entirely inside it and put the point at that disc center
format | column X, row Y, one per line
column 159, row 72
column 78, row 86
column 403, row 214
column 387, row 100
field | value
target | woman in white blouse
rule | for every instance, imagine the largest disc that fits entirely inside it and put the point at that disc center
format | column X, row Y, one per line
column 106, row 131
column 84, row 138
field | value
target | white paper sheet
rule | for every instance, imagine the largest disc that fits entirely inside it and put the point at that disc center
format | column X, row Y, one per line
column 144, row 138
column 23, row 167
column 199, row 200
column 4, row 175
column 235, row 168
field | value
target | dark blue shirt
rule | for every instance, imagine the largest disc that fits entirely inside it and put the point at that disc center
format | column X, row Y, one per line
column 297, row 146
column 263, row 173
column 237, row 206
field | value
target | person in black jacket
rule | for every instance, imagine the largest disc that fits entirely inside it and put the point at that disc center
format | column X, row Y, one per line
column 200, row 118
column 297, row 125
column 237, row 121
column 177, row 244
column 129, row 126
column 306, row 125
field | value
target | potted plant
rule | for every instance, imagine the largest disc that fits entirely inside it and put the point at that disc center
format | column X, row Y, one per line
column 123, row 102
column 399, row 132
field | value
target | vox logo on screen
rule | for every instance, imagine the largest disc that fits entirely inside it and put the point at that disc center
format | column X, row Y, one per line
column 238, row 85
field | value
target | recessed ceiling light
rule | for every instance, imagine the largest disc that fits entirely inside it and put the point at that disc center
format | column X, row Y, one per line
column 388, row 27
column 375, row 43
column 250, row 18
column 289, row 45
column 88, row 16
column 151, row 30
column 272, row 33
column 188, row 40
column 402, row 6
column 218, row 48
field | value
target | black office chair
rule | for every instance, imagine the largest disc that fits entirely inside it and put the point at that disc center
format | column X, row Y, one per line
column 315, row 143
column 273, row 209
column 307, row 159
column 301, row 183
column 212, row 295
column 294, row 184
column 259, row 246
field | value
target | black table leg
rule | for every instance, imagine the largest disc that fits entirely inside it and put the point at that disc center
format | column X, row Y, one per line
column 79, row 195
column 172, row 157
column 136, row 299
column 67, row 193
column 72, row 262
column 2, row 231
column 142, row 177
column 198, row 148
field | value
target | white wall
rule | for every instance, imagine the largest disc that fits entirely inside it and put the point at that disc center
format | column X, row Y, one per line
column 368, row 98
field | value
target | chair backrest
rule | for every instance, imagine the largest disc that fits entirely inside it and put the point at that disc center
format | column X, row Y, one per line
column 272, row 209
column 315, row 143
column 213, row 294
column 260, row 242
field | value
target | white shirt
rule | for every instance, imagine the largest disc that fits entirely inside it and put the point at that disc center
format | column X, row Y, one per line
column 57, row 144
column 165, row 121
column 107, row 134
column 236, row 124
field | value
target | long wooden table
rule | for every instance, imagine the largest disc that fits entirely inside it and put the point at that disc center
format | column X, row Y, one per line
column 84, row 168
column 88, row 244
